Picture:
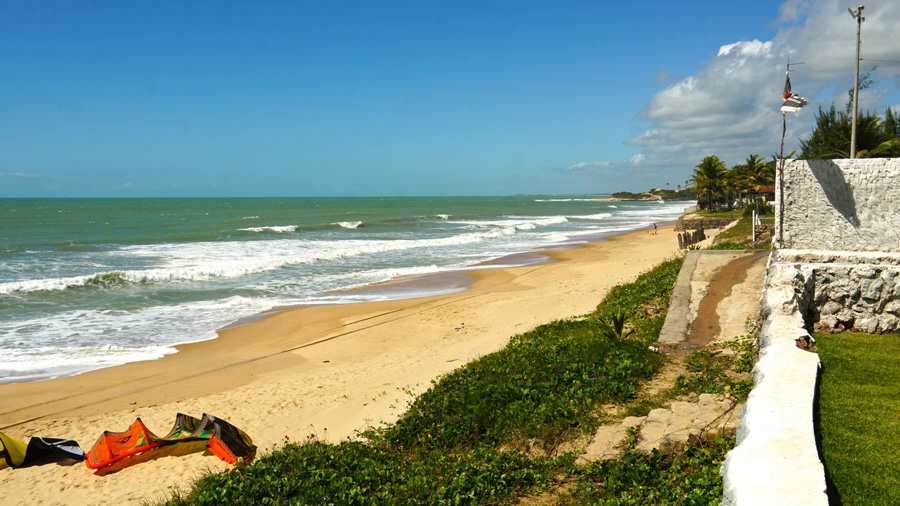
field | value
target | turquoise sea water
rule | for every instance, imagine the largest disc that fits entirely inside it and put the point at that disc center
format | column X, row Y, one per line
column 90, row 283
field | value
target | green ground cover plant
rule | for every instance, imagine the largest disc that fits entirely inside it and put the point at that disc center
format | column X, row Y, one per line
column 728, row 245
column 687, row 477
column 547, row 384
column 731, row 214
column 740, row 235
column 710, row 371
column 471, row 438
column 375, row 473
column 859, row 416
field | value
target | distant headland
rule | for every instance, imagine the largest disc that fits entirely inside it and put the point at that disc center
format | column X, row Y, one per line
column 656, row 194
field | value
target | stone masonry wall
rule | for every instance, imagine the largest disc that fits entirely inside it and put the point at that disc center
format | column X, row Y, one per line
column 841, row 205
column 850, row 291
column 865, row 298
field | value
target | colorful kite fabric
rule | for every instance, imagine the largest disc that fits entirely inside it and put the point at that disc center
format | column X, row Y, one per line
column 115, row 446
column 18, row 454
column 225, row 440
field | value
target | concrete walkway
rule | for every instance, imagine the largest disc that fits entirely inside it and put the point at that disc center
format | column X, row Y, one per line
column 716, row 294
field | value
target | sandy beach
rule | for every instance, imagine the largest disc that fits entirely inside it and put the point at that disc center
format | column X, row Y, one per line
column 327, row 371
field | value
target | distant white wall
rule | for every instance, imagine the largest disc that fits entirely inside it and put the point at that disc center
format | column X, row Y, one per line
column 840, row 205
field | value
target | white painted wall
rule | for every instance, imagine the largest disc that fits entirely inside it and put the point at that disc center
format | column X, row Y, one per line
column 840, row 205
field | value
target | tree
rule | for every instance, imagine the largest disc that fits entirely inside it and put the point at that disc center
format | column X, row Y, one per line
column 831, row 136
column 891, row 123
column 759, row 173
column 736, row 183
column 708, row 178
column 875, row 137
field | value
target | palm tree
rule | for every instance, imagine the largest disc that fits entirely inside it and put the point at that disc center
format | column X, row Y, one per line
column 708, row 178
column 759, row 173
column 740, row 181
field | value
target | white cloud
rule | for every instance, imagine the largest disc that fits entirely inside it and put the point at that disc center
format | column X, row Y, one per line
column 17, row 175
column 730, row 108
column 588, row 165
column 791, row 10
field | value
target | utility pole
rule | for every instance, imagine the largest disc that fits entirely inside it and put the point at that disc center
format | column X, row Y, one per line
column 857, row 15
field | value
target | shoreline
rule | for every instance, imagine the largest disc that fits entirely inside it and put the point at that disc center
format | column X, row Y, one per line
column 405, row 286
column 410, row 286
column 327, row 370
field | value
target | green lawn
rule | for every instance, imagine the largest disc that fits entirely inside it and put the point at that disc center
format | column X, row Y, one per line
column 732, row 214
column 859, row 405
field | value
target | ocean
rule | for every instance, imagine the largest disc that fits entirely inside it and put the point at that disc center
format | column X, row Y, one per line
column 92, row 283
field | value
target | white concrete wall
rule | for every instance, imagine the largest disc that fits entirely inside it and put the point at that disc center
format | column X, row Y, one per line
column 776, row 461
column 840, row 205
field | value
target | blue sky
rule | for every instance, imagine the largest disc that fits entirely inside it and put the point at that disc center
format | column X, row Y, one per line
column 406, row 98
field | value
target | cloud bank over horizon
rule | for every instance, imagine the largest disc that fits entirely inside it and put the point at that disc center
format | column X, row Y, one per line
column 730, row 108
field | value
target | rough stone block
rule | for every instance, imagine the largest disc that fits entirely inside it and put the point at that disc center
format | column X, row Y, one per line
column 866, row 323
column 866, row 272
column 842, row 289
column 845, row 318
column 870, row 288
column 829, row 308
column 828, row 321
column 892, row 307
column 888, row 323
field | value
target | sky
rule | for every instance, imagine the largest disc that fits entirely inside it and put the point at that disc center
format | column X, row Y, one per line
column 416, row 98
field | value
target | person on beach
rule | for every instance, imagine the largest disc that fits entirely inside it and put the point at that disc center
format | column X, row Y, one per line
column 654, row 229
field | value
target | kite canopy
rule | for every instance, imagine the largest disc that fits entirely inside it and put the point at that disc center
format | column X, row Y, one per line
column 18, row 454
column 225, row 440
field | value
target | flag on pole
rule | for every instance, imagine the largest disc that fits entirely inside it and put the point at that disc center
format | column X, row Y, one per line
column 787, row 87
column 792, row 101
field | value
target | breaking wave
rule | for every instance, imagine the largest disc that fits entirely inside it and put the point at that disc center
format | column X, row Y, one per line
column 228, row 260
column 277, row 229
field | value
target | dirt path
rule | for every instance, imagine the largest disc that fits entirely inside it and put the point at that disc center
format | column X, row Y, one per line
column 706, row 326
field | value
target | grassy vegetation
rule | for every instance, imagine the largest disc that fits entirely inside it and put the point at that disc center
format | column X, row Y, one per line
column 723, row 214
column 679, row 194
column 471, row 438
column 859, row 416
column 740, row 236
column 711, row 371
column 357, row 473
column 689, row 477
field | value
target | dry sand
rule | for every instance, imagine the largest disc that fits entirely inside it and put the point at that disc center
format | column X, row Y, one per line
column 325, row 370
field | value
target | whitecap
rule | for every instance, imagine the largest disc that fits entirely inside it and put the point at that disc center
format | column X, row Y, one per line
column 280, row 229
column 598, row 216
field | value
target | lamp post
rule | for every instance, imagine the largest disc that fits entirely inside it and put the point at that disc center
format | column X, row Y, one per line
column 857, row 15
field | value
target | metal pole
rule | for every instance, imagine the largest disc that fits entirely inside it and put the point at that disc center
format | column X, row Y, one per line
column 859, row 19
column 753, row 221
column 781, row 183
